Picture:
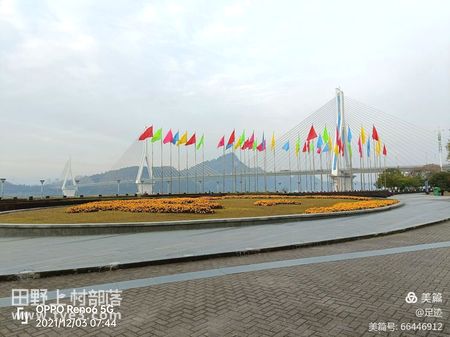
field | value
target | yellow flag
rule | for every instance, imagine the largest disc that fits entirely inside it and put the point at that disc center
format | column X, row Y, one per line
column 378, row 147
column 272, row 143
column 363, row 136
column 183, row 139
column 336, row 149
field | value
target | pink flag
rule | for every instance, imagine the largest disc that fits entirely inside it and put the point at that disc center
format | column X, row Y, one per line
column 168, row 138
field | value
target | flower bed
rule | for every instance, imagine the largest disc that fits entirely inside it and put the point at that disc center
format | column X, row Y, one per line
column 273, row 202
column 279, row 196
column 351, row 206
column 173, row 205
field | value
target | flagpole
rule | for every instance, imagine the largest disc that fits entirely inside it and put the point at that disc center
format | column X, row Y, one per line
column 171, row 169
column 224, row 168
column 233, row 168
column 314, row 170
column 162, row 169
column 321, row 173
column 274, row 170
column 255, row 160
column 240, row 169
column 195, row 167
column 152, row 181
column 187, row 169
column 385, row 187
column 203, row 168
column 299, row 177
column 290, row 171
column 179, row 170
column 361, row 168
column 265, row 170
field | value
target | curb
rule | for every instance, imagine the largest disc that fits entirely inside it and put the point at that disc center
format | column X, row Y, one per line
column 26, row 230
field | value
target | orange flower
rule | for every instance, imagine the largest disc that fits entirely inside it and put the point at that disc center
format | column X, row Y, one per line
column 162, row 205
column 352, row 206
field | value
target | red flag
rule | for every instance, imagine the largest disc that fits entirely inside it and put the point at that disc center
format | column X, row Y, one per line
column 384, row 150
column 305, row 148
column 231, row 139
column 147, row 133
column 251, row 141
column 168, row 138
column 221, row 142
column 374, row 133
column 312, row 134
column 360, row 147
column 246, row 145
column 191, row 140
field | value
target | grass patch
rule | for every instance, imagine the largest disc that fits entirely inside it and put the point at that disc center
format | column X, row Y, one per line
column 232, row 208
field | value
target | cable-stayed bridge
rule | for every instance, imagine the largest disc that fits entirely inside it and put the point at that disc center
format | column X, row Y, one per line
column 293, row 167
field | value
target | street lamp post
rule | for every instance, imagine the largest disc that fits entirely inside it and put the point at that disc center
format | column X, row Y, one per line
column 2, row 180
column 217, row 187
column 118, row 186
column 42, row 188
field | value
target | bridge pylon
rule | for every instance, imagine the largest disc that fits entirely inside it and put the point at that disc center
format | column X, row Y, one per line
column 341, row 168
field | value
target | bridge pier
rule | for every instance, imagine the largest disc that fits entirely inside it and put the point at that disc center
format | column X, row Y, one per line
column 343, row 181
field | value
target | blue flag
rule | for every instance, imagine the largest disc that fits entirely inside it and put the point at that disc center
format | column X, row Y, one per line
column 319, row 142
column 176, row 138
column 325, row 148
column 368, row 148
column 349, row 135
column 286, row 146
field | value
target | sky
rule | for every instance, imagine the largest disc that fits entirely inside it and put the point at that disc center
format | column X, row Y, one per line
column 83, row 78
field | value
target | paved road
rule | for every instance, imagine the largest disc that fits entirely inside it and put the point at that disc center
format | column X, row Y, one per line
column 325, row 297
column 54, row 253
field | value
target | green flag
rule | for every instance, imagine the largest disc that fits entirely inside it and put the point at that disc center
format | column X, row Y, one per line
column 157, row 135
column 325, row 135
column 255, row 145
column 201, row 142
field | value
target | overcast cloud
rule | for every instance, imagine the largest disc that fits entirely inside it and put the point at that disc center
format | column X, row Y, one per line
column 82, row 78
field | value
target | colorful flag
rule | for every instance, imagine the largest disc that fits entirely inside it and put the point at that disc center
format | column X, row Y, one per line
column 304, row 147
column 221, row 142
column 326, row 148
column 183, row 139
column 312, row 134
column 176, row 138
column 368, row 149
column 231, row 140
column 319, row 144
column 251, row 141
column 157, row 136
column 363, row 136
column 191, row 140
column 168, row 138
column 255, row 144
column 272, row 142
column 384, row 150
column 378, row 148
column 375, row 133
column 147, row 133
column 360, row 147
column 286, row 146
column 201, row 142
column 326, row 135
column 262, row 146
column 349, row 135
column 297, row 147
column 240, row 141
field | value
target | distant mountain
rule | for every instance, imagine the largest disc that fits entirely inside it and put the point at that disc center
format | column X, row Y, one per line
column 106, row 183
